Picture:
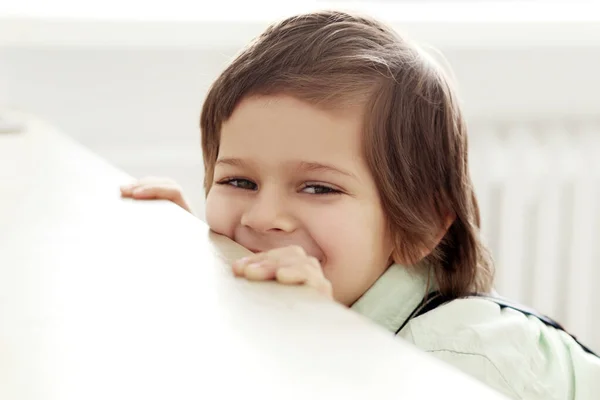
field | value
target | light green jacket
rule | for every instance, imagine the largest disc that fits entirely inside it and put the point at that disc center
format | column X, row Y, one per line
column 517, row 355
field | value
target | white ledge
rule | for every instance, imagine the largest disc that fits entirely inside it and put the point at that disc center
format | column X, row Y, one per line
column 109, row 298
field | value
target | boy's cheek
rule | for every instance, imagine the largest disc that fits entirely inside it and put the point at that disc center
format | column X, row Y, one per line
column 220, row 216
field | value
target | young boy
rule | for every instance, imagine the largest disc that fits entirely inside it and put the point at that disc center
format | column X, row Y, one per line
column 336, row 151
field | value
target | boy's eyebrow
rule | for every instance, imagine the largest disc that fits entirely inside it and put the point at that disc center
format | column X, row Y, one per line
column 302, row 165
column 234, row 162
column 314, row 166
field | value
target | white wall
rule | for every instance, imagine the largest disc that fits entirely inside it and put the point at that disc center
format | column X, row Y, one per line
column 139, row 109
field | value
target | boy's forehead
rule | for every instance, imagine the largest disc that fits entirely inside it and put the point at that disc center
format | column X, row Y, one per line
column 284, row 122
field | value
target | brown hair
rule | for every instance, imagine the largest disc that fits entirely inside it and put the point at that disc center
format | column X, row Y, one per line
column 415, row 136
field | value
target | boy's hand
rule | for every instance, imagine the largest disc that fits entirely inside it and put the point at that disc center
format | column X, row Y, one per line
column 156, row 188
column 288, row 265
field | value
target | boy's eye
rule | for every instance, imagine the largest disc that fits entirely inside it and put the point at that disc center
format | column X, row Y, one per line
column 240, row 183
column 319, row 189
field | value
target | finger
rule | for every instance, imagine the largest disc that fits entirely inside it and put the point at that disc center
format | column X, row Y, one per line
column 127, row 190
column 273, row 255
column 148, row 181
column 305, row 274
column 239, row 265
column 321, row 285
column 282, row 255
column 292, row 275
column 154, row 191
column 261, row 260
column 262, row 267
column 304, row 271
column 172, row 194
column 262, row 271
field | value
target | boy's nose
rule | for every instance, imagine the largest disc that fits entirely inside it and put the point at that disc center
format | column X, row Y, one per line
column 268, row 214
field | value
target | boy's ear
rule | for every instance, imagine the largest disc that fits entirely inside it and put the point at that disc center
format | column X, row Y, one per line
column 398, row 257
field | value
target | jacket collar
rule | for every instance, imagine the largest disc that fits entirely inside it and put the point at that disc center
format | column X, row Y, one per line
column 393, row 297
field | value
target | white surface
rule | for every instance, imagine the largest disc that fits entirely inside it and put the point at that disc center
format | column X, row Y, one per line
column 105, row 298
column 449, row 24
column 259, row 10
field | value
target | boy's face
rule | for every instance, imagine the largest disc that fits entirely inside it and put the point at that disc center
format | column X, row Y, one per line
column 291, row 174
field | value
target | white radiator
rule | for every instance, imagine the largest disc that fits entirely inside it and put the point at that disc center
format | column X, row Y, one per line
column 538, row 185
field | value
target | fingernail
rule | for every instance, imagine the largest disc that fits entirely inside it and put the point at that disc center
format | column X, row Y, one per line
column 255, row 271
column 237, row 269
column 138, row 190
column 241, row 261
column 238, row 265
